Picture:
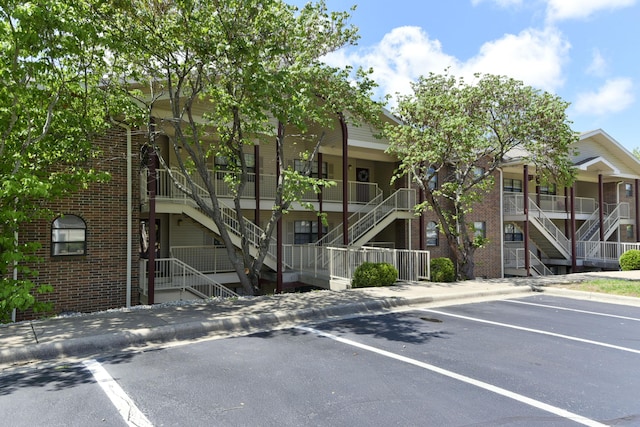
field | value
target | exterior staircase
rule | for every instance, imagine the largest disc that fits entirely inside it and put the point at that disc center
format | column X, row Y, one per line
column 373, row 219
column 173, row 274
column 368, row 221
column 172, row 200
column 551, row 241
column 546, row 235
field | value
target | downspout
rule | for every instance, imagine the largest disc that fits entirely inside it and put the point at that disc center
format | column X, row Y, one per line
column 637, row 210
column 345, row 181
column 320, row 207
column 129, row 210
column 574, row 247
column 525, row 189
column 279, row 278
column 151, row 188
column 257, row 176
column 618, row 204
column 15, row 275
column 601, row 206
column 409, row 234
column 422, row 238
column 501, row 222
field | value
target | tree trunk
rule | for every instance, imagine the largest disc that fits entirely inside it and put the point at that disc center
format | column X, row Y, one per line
column 466, row 269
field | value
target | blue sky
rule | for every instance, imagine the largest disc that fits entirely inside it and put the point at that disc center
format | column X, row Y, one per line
column 585, row 51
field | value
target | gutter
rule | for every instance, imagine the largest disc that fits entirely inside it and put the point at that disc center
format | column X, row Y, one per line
column 129, row 209
column 501, row 186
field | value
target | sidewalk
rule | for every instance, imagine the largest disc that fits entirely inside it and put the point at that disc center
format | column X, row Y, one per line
column 144, row 326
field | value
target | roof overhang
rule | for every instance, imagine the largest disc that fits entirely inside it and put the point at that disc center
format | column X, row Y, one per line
column 599, row 165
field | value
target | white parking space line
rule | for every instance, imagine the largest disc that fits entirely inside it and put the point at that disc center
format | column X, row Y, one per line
column 536, row 331
column 125, row 406
column 555, row 307
column 481, row 384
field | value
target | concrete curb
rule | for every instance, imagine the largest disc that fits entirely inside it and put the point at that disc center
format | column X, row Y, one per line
column 593, row 296
column 128, row 339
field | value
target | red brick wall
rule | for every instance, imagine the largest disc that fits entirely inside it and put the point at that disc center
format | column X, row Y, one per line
column 97, row 280
column 488, row 260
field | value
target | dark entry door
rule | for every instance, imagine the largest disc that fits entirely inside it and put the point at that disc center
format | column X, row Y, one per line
column 362, row 190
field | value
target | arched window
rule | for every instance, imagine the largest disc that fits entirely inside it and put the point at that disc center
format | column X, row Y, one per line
column 68, row 236
column 432, row 234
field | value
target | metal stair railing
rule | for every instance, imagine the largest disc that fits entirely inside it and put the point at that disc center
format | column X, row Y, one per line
column 253, row 232
column 403, row 200
column 588, row 231
column 589, row 228
column 335, row 234
column 539, row 266
column 538, row 216
column 171, row 273
column 612, row 220
column 514, row 258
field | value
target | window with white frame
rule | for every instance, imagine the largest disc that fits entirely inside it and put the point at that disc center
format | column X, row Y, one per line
column 222, row 165
column 512, row 233
column 513, row 185
column 480, row 229
column 299, row 165
column 68, row 236
column 548, row 189
column 306, row 232
column 432, row 233
column 433, row 180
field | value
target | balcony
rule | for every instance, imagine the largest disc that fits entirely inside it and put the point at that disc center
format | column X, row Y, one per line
column 514, row 204
column 358, row 192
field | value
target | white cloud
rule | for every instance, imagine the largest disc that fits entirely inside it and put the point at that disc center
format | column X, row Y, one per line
column 558, row 10
column 534, row 56
column 598, row 66
column 401, row 57
column 614, row 96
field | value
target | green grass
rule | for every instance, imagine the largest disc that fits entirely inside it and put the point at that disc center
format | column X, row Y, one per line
column 609, row 286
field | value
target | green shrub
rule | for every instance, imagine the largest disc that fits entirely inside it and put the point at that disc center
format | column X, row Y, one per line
column 388, row 274
column 442, row 270
column 374, row 274
column 630, row 260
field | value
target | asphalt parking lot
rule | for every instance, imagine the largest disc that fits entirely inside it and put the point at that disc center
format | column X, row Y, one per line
column 534, row 360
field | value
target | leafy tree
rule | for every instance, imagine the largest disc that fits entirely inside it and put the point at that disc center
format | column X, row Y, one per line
column 50, row 108
column 231, row 73
column 459, row 134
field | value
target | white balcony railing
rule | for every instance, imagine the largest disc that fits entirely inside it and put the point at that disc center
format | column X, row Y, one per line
column 173, row 274
column 514, row 204
column 412, row 265
column 402, row 200
column 359, row 193
column 207, row 259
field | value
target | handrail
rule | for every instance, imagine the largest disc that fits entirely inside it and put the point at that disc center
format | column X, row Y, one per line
column 588, row 229
column 402, row 199
column 538, row 265
column 253, row 232
column 516, row 255
column 331, row 194
column 592, row 224
column 412, row 265
column 538, row 215
column 171, row 273
column 514, row 204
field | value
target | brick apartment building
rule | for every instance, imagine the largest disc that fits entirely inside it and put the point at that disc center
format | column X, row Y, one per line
column 562, row 231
